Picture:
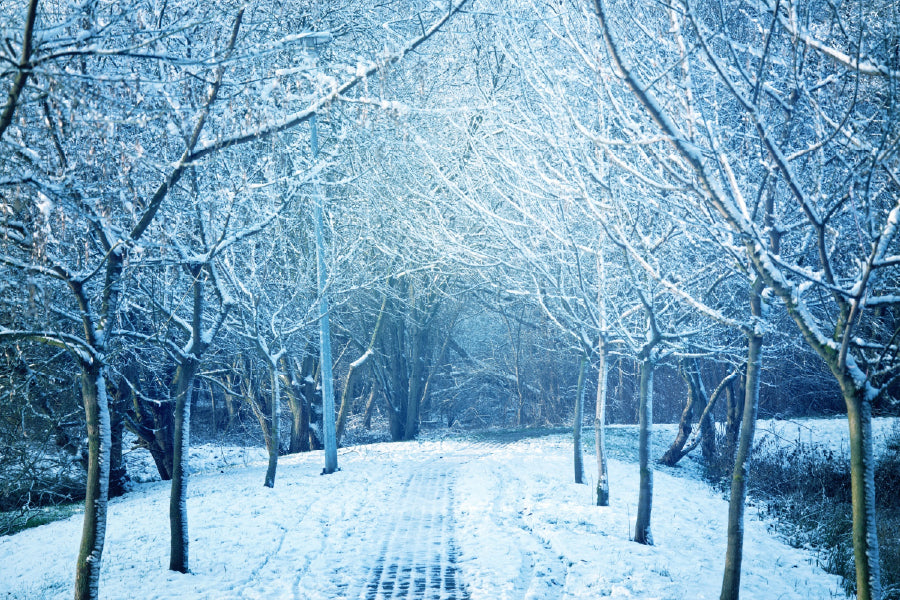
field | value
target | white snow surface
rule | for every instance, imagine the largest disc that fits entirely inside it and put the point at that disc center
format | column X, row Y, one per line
column 449, row 518
column 832, row 434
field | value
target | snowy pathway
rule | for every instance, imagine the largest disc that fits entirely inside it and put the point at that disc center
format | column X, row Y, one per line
column 391, row 538
column 417, row 555
column 401, row 545
column 436, row 520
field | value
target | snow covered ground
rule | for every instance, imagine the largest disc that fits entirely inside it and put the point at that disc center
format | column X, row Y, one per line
column 831, row 433
column 450, row 519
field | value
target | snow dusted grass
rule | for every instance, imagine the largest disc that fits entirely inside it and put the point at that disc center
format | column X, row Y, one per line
column 27, row 517
column 205, row 457
column 801, row 474
column 516, row 527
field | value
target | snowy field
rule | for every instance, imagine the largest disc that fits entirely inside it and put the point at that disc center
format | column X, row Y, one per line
column 449, row 519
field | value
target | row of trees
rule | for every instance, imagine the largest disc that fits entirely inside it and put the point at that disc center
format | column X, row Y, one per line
column 147, row 149
column 543, row 198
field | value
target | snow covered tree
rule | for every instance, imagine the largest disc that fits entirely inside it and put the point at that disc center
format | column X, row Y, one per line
column 270, row 281
column 107, row 108
column 788, row 146
column 60, row 201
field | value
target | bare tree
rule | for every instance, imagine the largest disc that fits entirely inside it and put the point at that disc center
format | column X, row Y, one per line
column 95, row 177
column 818, row 221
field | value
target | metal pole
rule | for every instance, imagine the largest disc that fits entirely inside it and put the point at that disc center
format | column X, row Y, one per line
column 324, row 326
column 313, row 40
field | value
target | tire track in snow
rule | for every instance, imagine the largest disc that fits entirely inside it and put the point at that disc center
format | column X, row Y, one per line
column 418, row 556
column 393, row 540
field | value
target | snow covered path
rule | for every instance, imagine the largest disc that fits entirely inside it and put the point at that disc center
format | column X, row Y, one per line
column 443, row 520
column 417, row 555
column 404, row 549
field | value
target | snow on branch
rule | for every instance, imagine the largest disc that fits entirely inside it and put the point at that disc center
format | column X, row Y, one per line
column 299, row 117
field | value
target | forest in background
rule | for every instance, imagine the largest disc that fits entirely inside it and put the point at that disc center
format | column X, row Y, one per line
column 517, row 213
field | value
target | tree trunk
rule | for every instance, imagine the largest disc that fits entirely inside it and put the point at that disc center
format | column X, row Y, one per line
column 733, row 417
column 394, row 381
column 707, row 427
column 152, row 423
column 184, row 384
column 96, row 411
column 396, row 421
column 273, row 439
column 862, row 485
column 642, row 533
column 370, row 406
column 214, row 414
column 579, row 418
column 229, row 397
column 299, row 441
column 347, row 396
column 117, row 472
column 708, row 447
column 707, row 432
column 515, row 341
column 416, row 376
column 230, row 410
column 310, row 426
column 676, row 452
column 600, row 431
column 347, row 392
column 299, row 425
column 731, row 581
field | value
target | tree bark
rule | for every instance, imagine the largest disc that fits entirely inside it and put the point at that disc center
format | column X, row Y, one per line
column 579, row 418
column 708, row 447
column 178, row 525
column 733, row 417
column 416, row 376
column 642, row 533
column 117, row 471
column 299, row 441
column 394, row 375
column 96, row 411
column 162, row 447
column 312, row 400
column 862, row 486
column 229, row 408
column 675, row 452
column 299, row 424
column 370, row 406
column 97, row 421
column 731, row 581
column 707, row 432
column 346, row 393
column 274, row 438
column 600, row 431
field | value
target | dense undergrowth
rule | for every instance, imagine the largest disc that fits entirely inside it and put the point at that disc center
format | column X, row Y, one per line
column 14, row 521
column 805, row 491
